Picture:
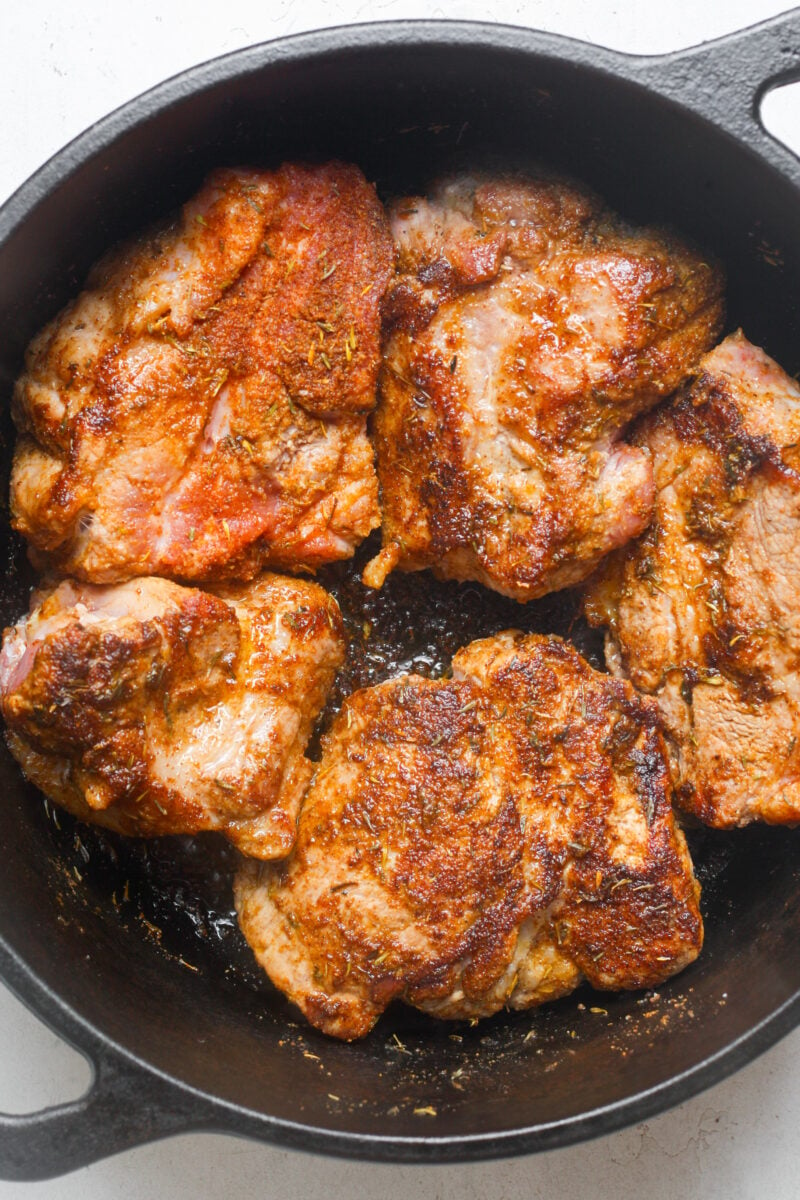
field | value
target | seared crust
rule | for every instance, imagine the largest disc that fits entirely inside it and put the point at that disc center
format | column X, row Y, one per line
column 151, row 708
column 199, row 410
column 485, row 841
column 529, row 325
column 702, row 612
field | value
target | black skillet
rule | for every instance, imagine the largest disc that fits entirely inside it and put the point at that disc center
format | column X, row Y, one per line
column 129, row 951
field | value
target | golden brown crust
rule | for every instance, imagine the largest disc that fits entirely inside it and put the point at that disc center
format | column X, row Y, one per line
column 199, row 410
column 151, row 708
column 528, row 326
column 478, row 842
column 702, row 611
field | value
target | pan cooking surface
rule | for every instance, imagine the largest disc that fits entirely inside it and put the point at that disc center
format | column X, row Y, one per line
column 140, row 937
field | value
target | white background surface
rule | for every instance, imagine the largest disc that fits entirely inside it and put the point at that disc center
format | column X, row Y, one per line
column 63, row 65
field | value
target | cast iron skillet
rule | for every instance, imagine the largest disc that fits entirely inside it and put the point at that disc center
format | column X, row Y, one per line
column 208, row 1045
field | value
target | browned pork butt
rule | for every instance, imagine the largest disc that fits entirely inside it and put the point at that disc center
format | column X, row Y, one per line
column 529, row 325
column 199, row 411
column 152, row 708
column 484, row 841
column 703, row 612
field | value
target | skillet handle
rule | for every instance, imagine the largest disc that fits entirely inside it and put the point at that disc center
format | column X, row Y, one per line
column 125, row 1106
column 726, row 80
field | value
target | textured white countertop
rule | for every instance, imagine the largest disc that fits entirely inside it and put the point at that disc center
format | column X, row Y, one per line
column 63, row 65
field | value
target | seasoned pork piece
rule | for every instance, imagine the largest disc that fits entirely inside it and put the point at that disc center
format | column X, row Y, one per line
column 199, row 411
column 703, row 611
column 484, row 841
column 529, row 326
column 151, row 708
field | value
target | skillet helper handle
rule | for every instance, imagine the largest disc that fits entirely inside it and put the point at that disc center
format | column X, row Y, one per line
column 726, row 80
column 124, row 1107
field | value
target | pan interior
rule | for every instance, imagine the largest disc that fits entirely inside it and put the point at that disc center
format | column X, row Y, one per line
column 139, row 937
